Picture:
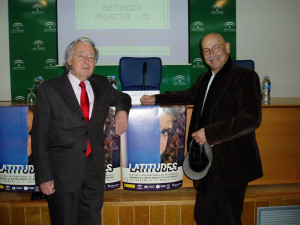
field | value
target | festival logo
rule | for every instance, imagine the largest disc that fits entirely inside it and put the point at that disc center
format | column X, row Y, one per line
column 38, row 45
column 37, row 9
column 217, row 9
column 50, row 64
column 198, row 63
column 17, row 28
column 198, row 26
column 229, row 26
column 49, row 27
column 179, row 80
column 19, row 64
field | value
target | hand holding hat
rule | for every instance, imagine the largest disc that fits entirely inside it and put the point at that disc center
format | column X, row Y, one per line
column 197, row 161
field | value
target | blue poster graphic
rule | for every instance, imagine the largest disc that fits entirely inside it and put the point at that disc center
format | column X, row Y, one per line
column 145, row 140
column 16, row 169
column 13, row 135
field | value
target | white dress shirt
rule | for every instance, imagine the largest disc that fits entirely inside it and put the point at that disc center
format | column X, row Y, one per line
column 207, row 89
column 77, row 90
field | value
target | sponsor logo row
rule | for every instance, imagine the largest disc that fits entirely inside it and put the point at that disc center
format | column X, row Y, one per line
column 20, row 188
column 19, row 28
column 152, row 187
column 198, row 26
column 19, row 64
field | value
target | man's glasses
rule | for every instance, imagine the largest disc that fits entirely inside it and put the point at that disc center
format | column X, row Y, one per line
column 214, row 49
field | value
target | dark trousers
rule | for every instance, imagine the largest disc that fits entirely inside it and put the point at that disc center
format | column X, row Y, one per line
column 82, row 207
column 219, row 204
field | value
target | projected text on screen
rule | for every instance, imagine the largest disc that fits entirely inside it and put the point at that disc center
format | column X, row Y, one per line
column 136, row 28
column 135, row 14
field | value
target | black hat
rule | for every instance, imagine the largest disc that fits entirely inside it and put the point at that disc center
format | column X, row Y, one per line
column 197, row 161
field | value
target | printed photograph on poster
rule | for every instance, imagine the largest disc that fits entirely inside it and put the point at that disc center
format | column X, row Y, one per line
column 16, row 169
column 112, row 152
column 153, row 148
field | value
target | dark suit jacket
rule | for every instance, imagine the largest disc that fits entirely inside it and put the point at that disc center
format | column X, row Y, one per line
column 60, row 133
column 236, row 113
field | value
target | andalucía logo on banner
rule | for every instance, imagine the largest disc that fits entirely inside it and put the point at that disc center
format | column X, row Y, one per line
column 229, row 26
column 179, row 80
column 38, row 45
column 198, row 63
column 217, row 9
column 50, row 64
column 198, row 26
column 19, row 64
column 50, row 27
column 17, row 28
column 20, row 98
column 37, row 9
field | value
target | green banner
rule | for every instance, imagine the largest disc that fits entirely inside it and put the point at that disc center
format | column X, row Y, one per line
column 175, row 78
column 33, row 43
column 210, row 16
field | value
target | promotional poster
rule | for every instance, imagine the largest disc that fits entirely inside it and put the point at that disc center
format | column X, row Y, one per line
column 153, row 148
column 16, row 169
column 16, row 166
column 112, row 152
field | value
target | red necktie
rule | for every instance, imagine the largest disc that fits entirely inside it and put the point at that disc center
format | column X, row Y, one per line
column 84, row 104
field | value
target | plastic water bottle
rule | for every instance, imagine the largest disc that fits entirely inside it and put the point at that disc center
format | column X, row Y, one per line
column 38, row 82
column 266, row 86
column 31, row 97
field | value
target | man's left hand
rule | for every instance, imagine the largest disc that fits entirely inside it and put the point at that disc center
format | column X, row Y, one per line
column 121, row 123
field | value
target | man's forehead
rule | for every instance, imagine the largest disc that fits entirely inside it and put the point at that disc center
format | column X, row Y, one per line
column 213, row 38
column 210, row 42
column 83, row 51
column 81, row 45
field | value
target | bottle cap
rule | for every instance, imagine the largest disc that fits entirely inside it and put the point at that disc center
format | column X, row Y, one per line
column 267, row 76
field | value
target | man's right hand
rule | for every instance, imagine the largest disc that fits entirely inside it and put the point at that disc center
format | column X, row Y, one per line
column 147, row 100
column 47, row 188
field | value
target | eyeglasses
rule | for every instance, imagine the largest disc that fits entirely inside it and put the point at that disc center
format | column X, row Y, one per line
column 215, row 49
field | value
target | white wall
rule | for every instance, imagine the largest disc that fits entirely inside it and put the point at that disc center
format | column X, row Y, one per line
column 267, row 32
column 4, row 53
